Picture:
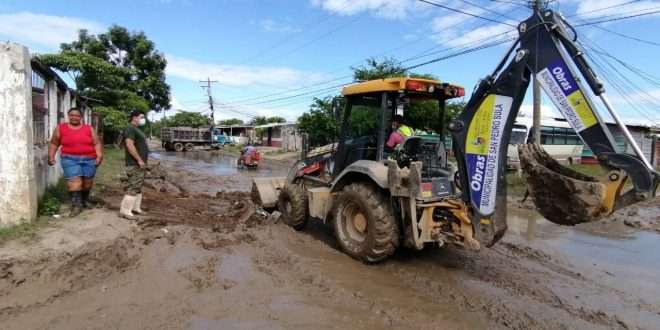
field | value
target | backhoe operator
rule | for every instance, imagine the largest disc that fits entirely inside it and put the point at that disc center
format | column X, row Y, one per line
column 400, row 132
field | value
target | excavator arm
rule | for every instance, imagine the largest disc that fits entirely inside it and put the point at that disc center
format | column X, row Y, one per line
column 544, row 50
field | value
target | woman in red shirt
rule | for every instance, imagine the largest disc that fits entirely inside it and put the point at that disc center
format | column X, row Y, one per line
column 81, row 153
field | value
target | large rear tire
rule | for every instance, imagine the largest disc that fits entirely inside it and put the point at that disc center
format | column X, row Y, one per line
column 364, row 223
column 189, row 147
column 178, row 146
column 292, row 202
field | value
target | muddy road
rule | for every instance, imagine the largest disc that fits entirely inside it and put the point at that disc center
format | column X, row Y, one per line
column 205, row 257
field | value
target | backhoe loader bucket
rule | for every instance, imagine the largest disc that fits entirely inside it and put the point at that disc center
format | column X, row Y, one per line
column 564, row 196
column 265, row 191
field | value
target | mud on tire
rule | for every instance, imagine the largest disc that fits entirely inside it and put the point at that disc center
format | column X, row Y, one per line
column 364, row 223
column 292, row 202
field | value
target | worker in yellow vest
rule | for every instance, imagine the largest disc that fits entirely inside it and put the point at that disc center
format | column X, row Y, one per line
column 399, row 132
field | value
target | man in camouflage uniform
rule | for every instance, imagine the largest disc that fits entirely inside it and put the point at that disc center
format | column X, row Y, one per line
column 137, row 152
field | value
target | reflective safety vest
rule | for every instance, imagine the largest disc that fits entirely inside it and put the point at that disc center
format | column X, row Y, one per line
column 405, row 131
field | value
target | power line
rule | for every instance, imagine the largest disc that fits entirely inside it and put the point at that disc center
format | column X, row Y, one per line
column 626, row 36
column 486, row 9
column 617, row 18
column 622, row 84
column 464, row 13
column 604, row 8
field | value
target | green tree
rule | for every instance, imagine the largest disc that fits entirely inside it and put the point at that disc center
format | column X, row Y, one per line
column 231, row 121
column 319, row 123
column 188, row 119
column 388, row 68
column 117, row 71
column 263, row 120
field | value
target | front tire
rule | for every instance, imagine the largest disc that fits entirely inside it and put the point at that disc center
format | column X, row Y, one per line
column 364, row 223
column 292, row 202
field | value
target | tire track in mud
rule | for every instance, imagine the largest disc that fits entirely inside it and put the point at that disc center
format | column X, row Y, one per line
column 513, row 286
column 516, row 295
column 28, row 284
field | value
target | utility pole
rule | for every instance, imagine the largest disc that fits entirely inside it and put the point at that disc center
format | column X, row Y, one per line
column 537, row 5
column 208, row 82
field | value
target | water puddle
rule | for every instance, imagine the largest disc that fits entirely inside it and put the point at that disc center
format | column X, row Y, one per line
column 610, row 251
column 215, row 164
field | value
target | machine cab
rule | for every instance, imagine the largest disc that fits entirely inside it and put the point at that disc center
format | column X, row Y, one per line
column 366, row 123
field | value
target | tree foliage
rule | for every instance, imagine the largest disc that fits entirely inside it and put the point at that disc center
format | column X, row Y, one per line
column 117, row 71
column 263, row 120
column 230, row 121
column 388, row 68
column 188, row 119
column 319, row 123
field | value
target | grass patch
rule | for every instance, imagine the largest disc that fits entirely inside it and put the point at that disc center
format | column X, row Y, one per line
column 515, row 184
column 52, row 198
column 110, row 170
column 234, row 149
column 26, row 231
column 275, row 152
column 48, row 205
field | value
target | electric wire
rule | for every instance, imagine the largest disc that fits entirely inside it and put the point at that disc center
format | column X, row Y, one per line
column 617, row 18
column 463, row 12
column 626, row 36
column 601, row 9
column 622, row 84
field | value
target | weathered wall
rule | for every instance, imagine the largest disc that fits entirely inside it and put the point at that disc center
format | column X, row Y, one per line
column 18, row 197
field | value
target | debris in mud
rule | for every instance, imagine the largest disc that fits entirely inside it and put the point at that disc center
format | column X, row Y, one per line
column 643, row 215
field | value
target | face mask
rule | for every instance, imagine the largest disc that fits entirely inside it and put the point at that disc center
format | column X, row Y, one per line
column 142, row 122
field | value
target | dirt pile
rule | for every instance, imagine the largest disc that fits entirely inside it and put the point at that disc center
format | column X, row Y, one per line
column 644, row 215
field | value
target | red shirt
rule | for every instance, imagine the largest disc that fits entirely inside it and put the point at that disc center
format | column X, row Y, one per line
column 77, row 142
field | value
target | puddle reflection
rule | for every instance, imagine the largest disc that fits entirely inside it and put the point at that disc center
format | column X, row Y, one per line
column 629, row 255
column 217, row 164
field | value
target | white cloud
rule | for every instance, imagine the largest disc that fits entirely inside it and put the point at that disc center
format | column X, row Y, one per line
column 38, row 30
column 458, row 29
column 527, row 110
column 389, row 9
column 272, row 25
column 599, row 8
column 236, row 75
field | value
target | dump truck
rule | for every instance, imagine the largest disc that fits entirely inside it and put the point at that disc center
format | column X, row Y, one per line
column 415, row 197
column 187, row 138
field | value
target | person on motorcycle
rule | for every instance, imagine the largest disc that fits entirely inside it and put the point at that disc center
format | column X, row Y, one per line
column 248, row 150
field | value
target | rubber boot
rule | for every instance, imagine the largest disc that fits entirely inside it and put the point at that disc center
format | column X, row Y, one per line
column 138, row 203
column 85, row 199
column 126, row 207
column 76, row 203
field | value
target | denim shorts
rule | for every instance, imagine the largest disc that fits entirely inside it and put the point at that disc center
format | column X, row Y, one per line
column 75, row 166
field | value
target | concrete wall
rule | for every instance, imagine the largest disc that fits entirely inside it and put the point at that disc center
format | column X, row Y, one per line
column 24, row 171
column 18, row 194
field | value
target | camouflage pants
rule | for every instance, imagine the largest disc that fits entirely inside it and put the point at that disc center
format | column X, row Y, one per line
column 135, row 179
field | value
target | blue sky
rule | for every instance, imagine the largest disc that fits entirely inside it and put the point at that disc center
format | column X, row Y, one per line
column 271, row 58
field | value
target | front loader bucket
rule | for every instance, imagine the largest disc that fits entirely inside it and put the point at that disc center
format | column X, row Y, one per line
column 265, row 191
column 564, row 196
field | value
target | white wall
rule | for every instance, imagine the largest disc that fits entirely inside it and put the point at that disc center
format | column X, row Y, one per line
column 18, row 195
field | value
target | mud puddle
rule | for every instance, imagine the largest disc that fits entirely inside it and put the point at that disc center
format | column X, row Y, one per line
column 608, row 252
column 217, row 164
